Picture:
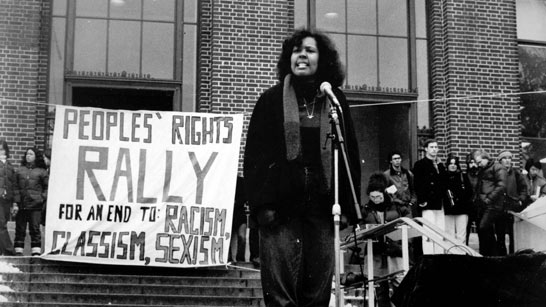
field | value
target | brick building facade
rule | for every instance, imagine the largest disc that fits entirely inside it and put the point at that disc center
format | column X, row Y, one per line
column 474, row 75
column 472, row 55
column 24, row 28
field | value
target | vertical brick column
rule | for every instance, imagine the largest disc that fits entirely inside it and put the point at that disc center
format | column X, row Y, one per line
column 245, row 44
column 474, row 71
column 23, row 72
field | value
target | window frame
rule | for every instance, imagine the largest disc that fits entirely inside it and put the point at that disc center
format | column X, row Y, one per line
column 72, row 79
column 359, row 97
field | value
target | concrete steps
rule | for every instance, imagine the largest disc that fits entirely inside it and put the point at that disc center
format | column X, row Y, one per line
column 32, row 281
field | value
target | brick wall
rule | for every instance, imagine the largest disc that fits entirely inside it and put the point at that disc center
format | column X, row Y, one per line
column 246, row 42
column 205, row 56
column 474, row 54
column 23, row 67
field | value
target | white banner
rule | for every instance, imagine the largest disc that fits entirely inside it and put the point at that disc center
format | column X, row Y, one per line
column 142, row 188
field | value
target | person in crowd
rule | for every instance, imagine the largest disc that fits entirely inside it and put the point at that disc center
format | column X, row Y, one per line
column 490, row 200
column 536, row 184
column 243, row 226
column 379, row 210
column 47, row 161
column 31, row 194
column 239, row 224
column 471, row 176
column 403, row 180
column 254, row 238
column 514, row 200
column 7, row 205
column 430, row 187
column 289, row 173
column 458, row 200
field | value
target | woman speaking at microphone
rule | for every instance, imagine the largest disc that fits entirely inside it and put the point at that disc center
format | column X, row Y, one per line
column 288, row 170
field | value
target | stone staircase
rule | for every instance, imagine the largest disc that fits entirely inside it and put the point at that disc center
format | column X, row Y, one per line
column 32, row 281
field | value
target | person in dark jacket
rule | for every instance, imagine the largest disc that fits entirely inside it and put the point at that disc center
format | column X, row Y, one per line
column 7, row 205
column 47, row 161
column 458, row 200
column 515, row 200
column 31, row 193
column 471, row 176
column 402, row 179
column 380, row 210
column 430, row 187
column 288, row 173
column 490, row 199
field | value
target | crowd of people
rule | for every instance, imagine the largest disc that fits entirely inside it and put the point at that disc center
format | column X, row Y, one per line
column 454, row 200
column 23, row 194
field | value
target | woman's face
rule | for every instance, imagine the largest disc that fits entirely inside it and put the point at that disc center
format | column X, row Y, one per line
column 3, row 155
column 533, row 171
column 452, row 167
column 376, row 197
column 304, row 59
column 30, row 156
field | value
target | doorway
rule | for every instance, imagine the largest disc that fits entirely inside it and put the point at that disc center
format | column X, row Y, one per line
column 381, row 129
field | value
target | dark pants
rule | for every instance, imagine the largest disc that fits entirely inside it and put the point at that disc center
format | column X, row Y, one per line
column 32, row 218
column 504, row 226
column 486, row 231
column 297, row 261
column 6, row 246
column 254, row 240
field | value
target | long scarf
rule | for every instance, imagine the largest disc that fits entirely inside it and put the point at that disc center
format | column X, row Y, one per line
column 292, row 135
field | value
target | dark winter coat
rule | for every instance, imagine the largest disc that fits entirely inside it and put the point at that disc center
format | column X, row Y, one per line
column 272, row 181
column 405, row 189
column 31, row 187
column 516, row 197
column 390, row 212
column 491, row 186
column 430, row 185
column 461, row 190
column 7, row 181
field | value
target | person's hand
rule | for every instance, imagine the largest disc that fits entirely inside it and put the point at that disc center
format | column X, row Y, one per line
column 14, row 209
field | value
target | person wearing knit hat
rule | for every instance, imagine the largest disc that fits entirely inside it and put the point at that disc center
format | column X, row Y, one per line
column 504, row 154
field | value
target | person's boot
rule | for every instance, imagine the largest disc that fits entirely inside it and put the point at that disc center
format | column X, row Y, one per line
column 19, row 251
column 36, row 251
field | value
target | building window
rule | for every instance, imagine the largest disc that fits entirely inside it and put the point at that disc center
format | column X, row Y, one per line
column 532, row 54
column 124, row 45
column 383, row 45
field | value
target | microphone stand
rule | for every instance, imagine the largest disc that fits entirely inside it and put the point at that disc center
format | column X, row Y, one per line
column 339, row 143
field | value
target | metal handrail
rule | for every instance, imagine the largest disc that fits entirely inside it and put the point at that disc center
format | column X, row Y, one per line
column 422, row 226
column 419, row 226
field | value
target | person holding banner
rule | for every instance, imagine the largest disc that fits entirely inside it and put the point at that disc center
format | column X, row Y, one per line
column 289, row 173
column 47, row 161
column 31, row 193
column 7, row 206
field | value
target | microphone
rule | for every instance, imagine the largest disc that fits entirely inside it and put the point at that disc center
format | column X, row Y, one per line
column 326, row 88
